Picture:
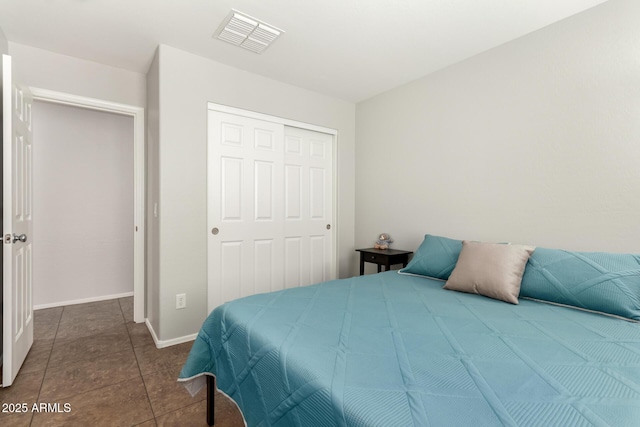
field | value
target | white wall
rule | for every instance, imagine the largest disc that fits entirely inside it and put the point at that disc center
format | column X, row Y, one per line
column 4, row 44
column 83, row 204
column 48, row 70
column 535, row 141
column 187, row 83
column 153, row 195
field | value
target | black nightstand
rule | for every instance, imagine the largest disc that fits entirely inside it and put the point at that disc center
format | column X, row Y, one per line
column 386, row 257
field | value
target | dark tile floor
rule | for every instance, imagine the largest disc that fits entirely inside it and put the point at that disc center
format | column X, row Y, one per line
column 107, row 368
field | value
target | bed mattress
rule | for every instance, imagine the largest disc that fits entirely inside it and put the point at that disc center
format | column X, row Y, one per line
column 394, row 350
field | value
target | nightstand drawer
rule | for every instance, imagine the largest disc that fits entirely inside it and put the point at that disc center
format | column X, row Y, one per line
column 375, row 258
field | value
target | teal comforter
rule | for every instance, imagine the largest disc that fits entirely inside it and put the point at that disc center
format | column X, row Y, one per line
column 392, row 350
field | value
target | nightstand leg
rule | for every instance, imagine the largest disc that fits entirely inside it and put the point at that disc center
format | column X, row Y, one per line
column 379, row 268
column 361, row 264
column 211, row 391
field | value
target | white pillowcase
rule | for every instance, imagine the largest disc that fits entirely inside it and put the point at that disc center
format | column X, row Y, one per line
column 491, row 269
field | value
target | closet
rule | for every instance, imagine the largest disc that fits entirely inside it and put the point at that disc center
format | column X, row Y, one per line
column 270, row 204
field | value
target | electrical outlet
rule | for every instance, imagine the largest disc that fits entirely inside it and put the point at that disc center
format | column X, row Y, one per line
column 181, row 301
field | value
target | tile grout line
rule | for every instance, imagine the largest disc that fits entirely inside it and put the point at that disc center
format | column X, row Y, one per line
column 46, row 368
column 124, row 318
column 144, row 384
column 99, row 388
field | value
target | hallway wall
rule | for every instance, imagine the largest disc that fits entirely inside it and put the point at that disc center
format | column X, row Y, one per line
column 83, row 204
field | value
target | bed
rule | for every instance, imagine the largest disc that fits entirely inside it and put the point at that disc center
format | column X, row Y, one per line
column 399, row 350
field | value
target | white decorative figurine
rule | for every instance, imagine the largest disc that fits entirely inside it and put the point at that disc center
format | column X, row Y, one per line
column 383, row 242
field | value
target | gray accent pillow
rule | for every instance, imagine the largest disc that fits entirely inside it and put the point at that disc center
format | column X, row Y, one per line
column 491, row 269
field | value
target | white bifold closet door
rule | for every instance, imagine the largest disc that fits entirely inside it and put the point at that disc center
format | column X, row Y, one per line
column 270, row 207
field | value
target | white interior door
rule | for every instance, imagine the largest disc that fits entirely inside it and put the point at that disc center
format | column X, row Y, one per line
column 308, row 186
column 245, row 213
column 17, row 224
column 270, row 201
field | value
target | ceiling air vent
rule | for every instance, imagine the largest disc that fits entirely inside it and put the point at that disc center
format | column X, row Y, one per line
column 247, row 32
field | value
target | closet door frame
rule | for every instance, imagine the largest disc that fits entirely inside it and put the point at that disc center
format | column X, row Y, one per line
column 335, row 226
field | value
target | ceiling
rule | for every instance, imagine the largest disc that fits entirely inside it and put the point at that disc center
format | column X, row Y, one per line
column 349, row 49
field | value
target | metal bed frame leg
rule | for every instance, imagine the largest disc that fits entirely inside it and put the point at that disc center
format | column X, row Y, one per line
column 211, row 390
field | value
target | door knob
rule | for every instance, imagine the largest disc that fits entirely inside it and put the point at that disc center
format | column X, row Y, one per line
column 21, row 238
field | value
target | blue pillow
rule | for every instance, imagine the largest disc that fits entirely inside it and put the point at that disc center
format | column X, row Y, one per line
column 604, row 282
column 436, row 257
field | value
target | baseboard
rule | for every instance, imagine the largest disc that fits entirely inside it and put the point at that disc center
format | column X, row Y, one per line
column 168, row 343
column 82, row 301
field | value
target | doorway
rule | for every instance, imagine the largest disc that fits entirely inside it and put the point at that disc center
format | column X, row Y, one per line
column 83, row 205
column 136, row 232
